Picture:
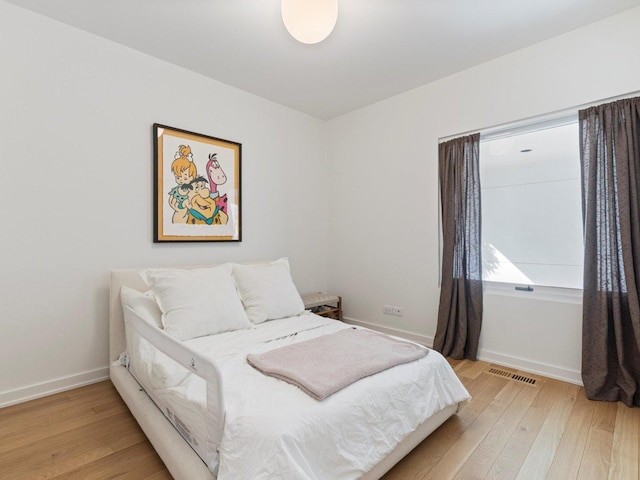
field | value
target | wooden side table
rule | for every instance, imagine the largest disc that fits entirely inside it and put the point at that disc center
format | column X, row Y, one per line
column 324, row 305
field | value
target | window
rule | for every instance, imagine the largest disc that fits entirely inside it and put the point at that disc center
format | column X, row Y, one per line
column 531, row 206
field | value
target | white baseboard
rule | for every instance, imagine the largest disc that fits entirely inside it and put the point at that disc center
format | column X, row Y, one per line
column 538, row 368
column 414, row 337
column 31, row 392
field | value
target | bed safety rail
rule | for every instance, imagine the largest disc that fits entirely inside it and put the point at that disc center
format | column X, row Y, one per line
column 194, row 362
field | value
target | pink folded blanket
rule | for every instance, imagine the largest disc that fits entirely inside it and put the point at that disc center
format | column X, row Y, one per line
column 323, row 365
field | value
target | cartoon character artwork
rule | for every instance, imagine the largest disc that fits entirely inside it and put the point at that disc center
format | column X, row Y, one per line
column 193, row 203
column 216, row 177
column 184, row 171
column 201, row 208
column 197, row 187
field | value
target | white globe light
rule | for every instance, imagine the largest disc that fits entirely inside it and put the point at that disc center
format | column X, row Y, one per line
column 309, row 21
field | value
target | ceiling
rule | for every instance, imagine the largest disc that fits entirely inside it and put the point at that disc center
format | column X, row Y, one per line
column 378, row 49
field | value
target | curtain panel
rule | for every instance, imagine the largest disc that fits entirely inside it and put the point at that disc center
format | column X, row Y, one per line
column 610, row 158
column 460, row 310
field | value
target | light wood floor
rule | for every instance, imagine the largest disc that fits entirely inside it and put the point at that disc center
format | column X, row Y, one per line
column 513, row 430
column 510, row 430
column 83, row 434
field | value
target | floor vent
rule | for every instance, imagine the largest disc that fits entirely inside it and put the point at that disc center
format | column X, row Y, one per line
column 502, row 373
column 513, row 376
column 522, row 378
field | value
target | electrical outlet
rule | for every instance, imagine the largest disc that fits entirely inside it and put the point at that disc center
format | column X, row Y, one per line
column 392, row 310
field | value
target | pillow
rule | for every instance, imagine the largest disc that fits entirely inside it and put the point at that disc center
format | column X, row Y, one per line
column 144, row 304
column 197, row 302
column 267, row 291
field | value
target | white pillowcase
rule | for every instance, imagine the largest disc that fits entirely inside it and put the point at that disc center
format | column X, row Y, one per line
column 267, row 291
column 197, row 302
column 143, row 304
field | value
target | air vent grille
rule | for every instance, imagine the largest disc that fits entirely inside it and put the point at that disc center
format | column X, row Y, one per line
column 512, row 376
column 522, row 378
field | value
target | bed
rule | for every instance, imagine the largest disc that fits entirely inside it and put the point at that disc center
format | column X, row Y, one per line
column 232, row 432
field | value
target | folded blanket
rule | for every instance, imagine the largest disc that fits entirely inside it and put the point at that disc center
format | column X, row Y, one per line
column 323, row 365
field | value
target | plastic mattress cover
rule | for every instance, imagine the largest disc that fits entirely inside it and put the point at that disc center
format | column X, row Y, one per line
column 273, row 430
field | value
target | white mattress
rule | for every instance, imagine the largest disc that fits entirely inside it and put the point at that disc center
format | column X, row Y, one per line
column 273, row 429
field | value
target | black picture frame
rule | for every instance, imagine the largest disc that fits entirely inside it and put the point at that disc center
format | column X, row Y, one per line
column 197, row 194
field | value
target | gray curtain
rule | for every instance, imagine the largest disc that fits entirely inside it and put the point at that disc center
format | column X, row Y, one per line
column 610, row 157
column 460, row 310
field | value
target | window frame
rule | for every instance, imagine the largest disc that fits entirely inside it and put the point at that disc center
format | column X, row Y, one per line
column 490, row 287
column 537, row 292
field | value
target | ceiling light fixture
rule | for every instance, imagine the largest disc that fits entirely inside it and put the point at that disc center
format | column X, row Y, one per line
column 309, row 21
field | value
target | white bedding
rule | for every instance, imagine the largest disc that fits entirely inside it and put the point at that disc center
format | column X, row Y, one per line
column 272, row 429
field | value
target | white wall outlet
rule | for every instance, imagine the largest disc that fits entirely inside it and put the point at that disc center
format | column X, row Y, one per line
column 392, row 310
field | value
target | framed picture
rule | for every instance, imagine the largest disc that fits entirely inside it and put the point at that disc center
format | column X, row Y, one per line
column 196, row 187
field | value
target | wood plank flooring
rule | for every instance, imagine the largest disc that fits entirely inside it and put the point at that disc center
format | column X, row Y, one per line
column 513, row 430
column 87, row 433
column 510, row 430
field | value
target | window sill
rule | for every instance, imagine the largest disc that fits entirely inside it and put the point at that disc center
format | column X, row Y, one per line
column 539, row 292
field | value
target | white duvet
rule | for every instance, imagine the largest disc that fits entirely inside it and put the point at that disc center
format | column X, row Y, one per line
column 273, row 430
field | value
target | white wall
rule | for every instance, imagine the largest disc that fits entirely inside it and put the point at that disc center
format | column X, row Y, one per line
column 383, row 188
column 75, row 135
